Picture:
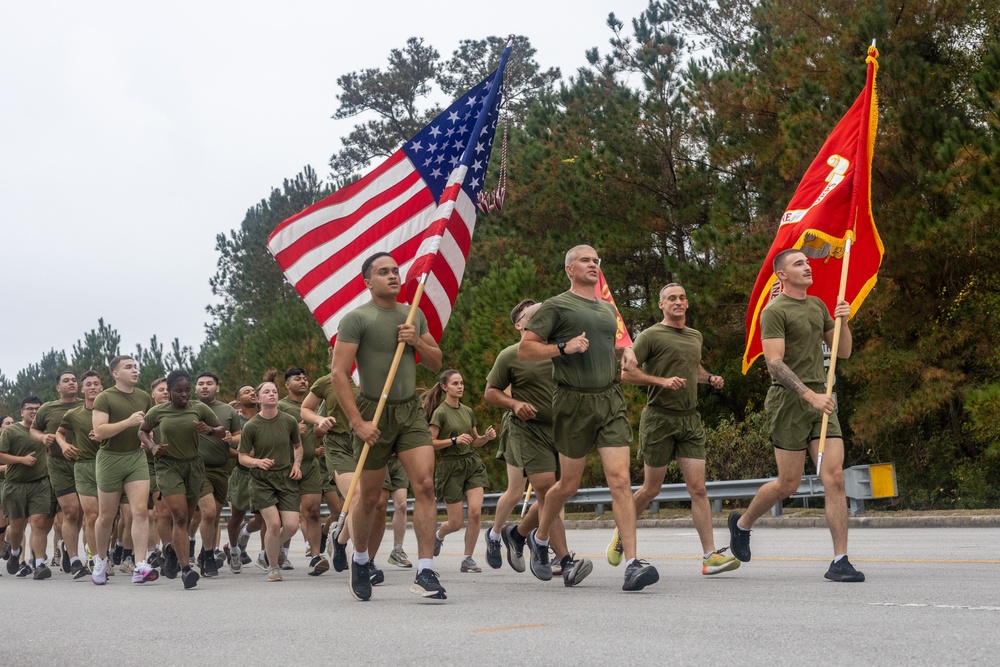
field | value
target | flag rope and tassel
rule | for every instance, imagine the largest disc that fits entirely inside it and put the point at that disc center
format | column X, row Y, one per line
column 493, row 201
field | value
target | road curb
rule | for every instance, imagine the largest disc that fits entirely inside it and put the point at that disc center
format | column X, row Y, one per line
column 932, row 521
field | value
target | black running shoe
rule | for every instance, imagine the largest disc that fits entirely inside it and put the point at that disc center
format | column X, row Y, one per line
column 426, row 585
column 79, row 570
column 245, row 558
column 190, row 549
column 842, row 570
column 575, row 571
column 515, row 547
column 211, row 568
column 539, row 561
column 24, row 570
column 67, row 563
column 171, row 566
column 189, row 577
column 438, row 543
column 42, row 572
column 376, row 575
column 361, row 583
column 638, row 575
column 202, row 567
column 739, row 539
column 118, row 554
column 13, row 562
column 339, row 556
column 322, row 542
column 493, row 557
column 5, row 554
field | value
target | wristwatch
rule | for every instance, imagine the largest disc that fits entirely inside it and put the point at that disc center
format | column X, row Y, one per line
column 562, row 348
column 454, row 440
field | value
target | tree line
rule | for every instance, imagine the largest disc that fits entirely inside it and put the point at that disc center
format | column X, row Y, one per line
column 673, row 150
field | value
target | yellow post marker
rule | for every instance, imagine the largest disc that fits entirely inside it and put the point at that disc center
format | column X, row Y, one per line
column 883, row 477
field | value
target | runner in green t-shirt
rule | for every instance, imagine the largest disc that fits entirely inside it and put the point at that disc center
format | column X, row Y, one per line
column 461, row 473
column 529, row 450
column 5, row 421
column 76, row 440
column 43, row 429
column 794, row 326
column 669, row 358
column 239, row 490
column 27, row 494
column 577, row 331
column 121, row 464
column 370, row 335
column 272, row 449
column 180, row 471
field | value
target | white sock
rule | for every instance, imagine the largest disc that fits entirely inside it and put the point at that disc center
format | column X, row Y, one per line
column 836, row 559
column 243, row 531
column 361, row 557
column 234, row 551
column 285, row 549
column 424, row 564
column 437, row 535
column 493, row 535
column 15, row 552
column 397, row 547
column 39, row 562
column 708, row 554
column 629, row 562
column 541, row 542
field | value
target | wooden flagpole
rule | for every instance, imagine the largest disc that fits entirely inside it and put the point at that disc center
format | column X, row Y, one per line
column 833, row 352
column 527, row 497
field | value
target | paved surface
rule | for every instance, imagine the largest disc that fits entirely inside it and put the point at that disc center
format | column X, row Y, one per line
column 932, row 597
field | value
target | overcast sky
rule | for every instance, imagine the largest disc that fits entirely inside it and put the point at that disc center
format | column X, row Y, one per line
column 132, row 133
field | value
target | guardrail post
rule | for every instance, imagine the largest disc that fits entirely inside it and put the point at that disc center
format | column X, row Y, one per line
column 776, row 510
column 856, row 505
column 716, row 506
column 654, row 507
column 599, row 509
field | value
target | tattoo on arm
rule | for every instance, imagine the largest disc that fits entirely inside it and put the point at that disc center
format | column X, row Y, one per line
column 785, row 377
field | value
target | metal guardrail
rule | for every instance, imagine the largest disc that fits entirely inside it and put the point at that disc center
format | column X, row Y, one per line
column 811, row 486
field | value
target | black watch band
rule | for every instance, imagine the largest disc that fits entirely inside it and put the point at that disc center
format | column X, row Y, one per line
column 562, row 348
column 454, row 440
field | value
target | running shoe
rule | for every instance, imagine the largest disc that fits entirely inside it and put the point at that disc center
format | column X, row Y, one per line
column 211, row 567
column 262, row 561
column 274, row 573
column 244, row 538
column 539, row 561
column 398, row 558
column 189, row 577
column 99, row 575
column 718, row 562
column 555, row 562
column 127, row 566
column 615, row 549
column 24, row 571
column 42, row 572
column 493, row 557
column 322, row 542
column 284, row 562
column 469, row 565
column 575, row 570
column 438, row 543
column 638, row 575
column 143, row 574
column 118, row 554
column 515, row 547
column 220, row 559
column 235, row 562
column 5, row 554
column 79, row 570
column 245, row 558
column 57, row 553
column 427, row 585
column 842, row 570
column 156, row 559
column 339, row 556
column 739, row 539
column 171, row 565
column 361, row 583
column 376, row 575
column 317, row 566
column 13, row 562
column 67, row 562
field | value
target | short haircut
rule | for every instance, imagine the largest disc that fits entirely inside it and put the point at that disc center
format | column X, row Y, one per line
column 572, row 253
column 240, row 388
column 515, row 314
column 113, row 365
column 208, row 374
column 173, row 377
column 366, row 266
column 61, row 373
column 28, row 400
column 293, row 371
column 90, row 374
column 666, row 287
column 782, row 258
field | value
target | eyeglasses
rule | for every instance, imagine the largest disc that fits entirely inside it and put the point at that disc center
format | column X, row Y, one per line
column 590, row 260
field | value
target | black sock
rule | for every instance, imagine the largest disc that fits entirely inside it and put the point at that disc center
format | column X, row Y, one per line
column 518, row 537
column 566, row 560
column 186, row 568
column 128, row 553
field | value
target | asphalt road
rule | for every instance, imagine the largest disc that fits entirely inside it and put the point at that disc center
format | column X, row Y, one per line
column 932, row 597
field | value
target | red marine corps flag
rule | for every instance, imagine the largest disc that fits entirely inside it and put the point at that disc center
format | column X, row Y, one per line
column 603, row 292
column 831, row 206
column 419, row 206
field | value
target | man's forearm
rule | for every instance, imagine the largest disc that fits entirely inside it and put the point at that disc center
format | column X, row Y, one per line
column 785, row 377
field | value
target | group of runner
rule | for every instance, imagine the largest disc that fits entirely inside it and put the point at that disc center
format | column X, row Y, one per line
column 112, row 459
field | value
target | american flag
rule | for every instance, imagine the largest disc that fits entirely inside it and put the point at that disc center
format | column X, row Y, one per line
column 419, row 206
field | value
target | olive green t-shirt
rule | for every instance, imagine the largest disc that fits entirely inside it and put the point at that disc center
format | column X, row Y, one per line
column 802, row 324
column 529, row 381
column 666, row 351
column 119, row 406
column 176, row 427
column 453, row 422
column 17, row 441
column 375, row 331
column 79, row 422
column 566, row 316
column 323, row 390
column 48, row 418
column 308, row 439
column 271, row 439
column 215, row 452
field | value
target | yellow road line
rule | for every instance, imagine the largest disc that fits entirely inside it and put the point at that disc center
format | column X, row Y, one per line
column 512, row 627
